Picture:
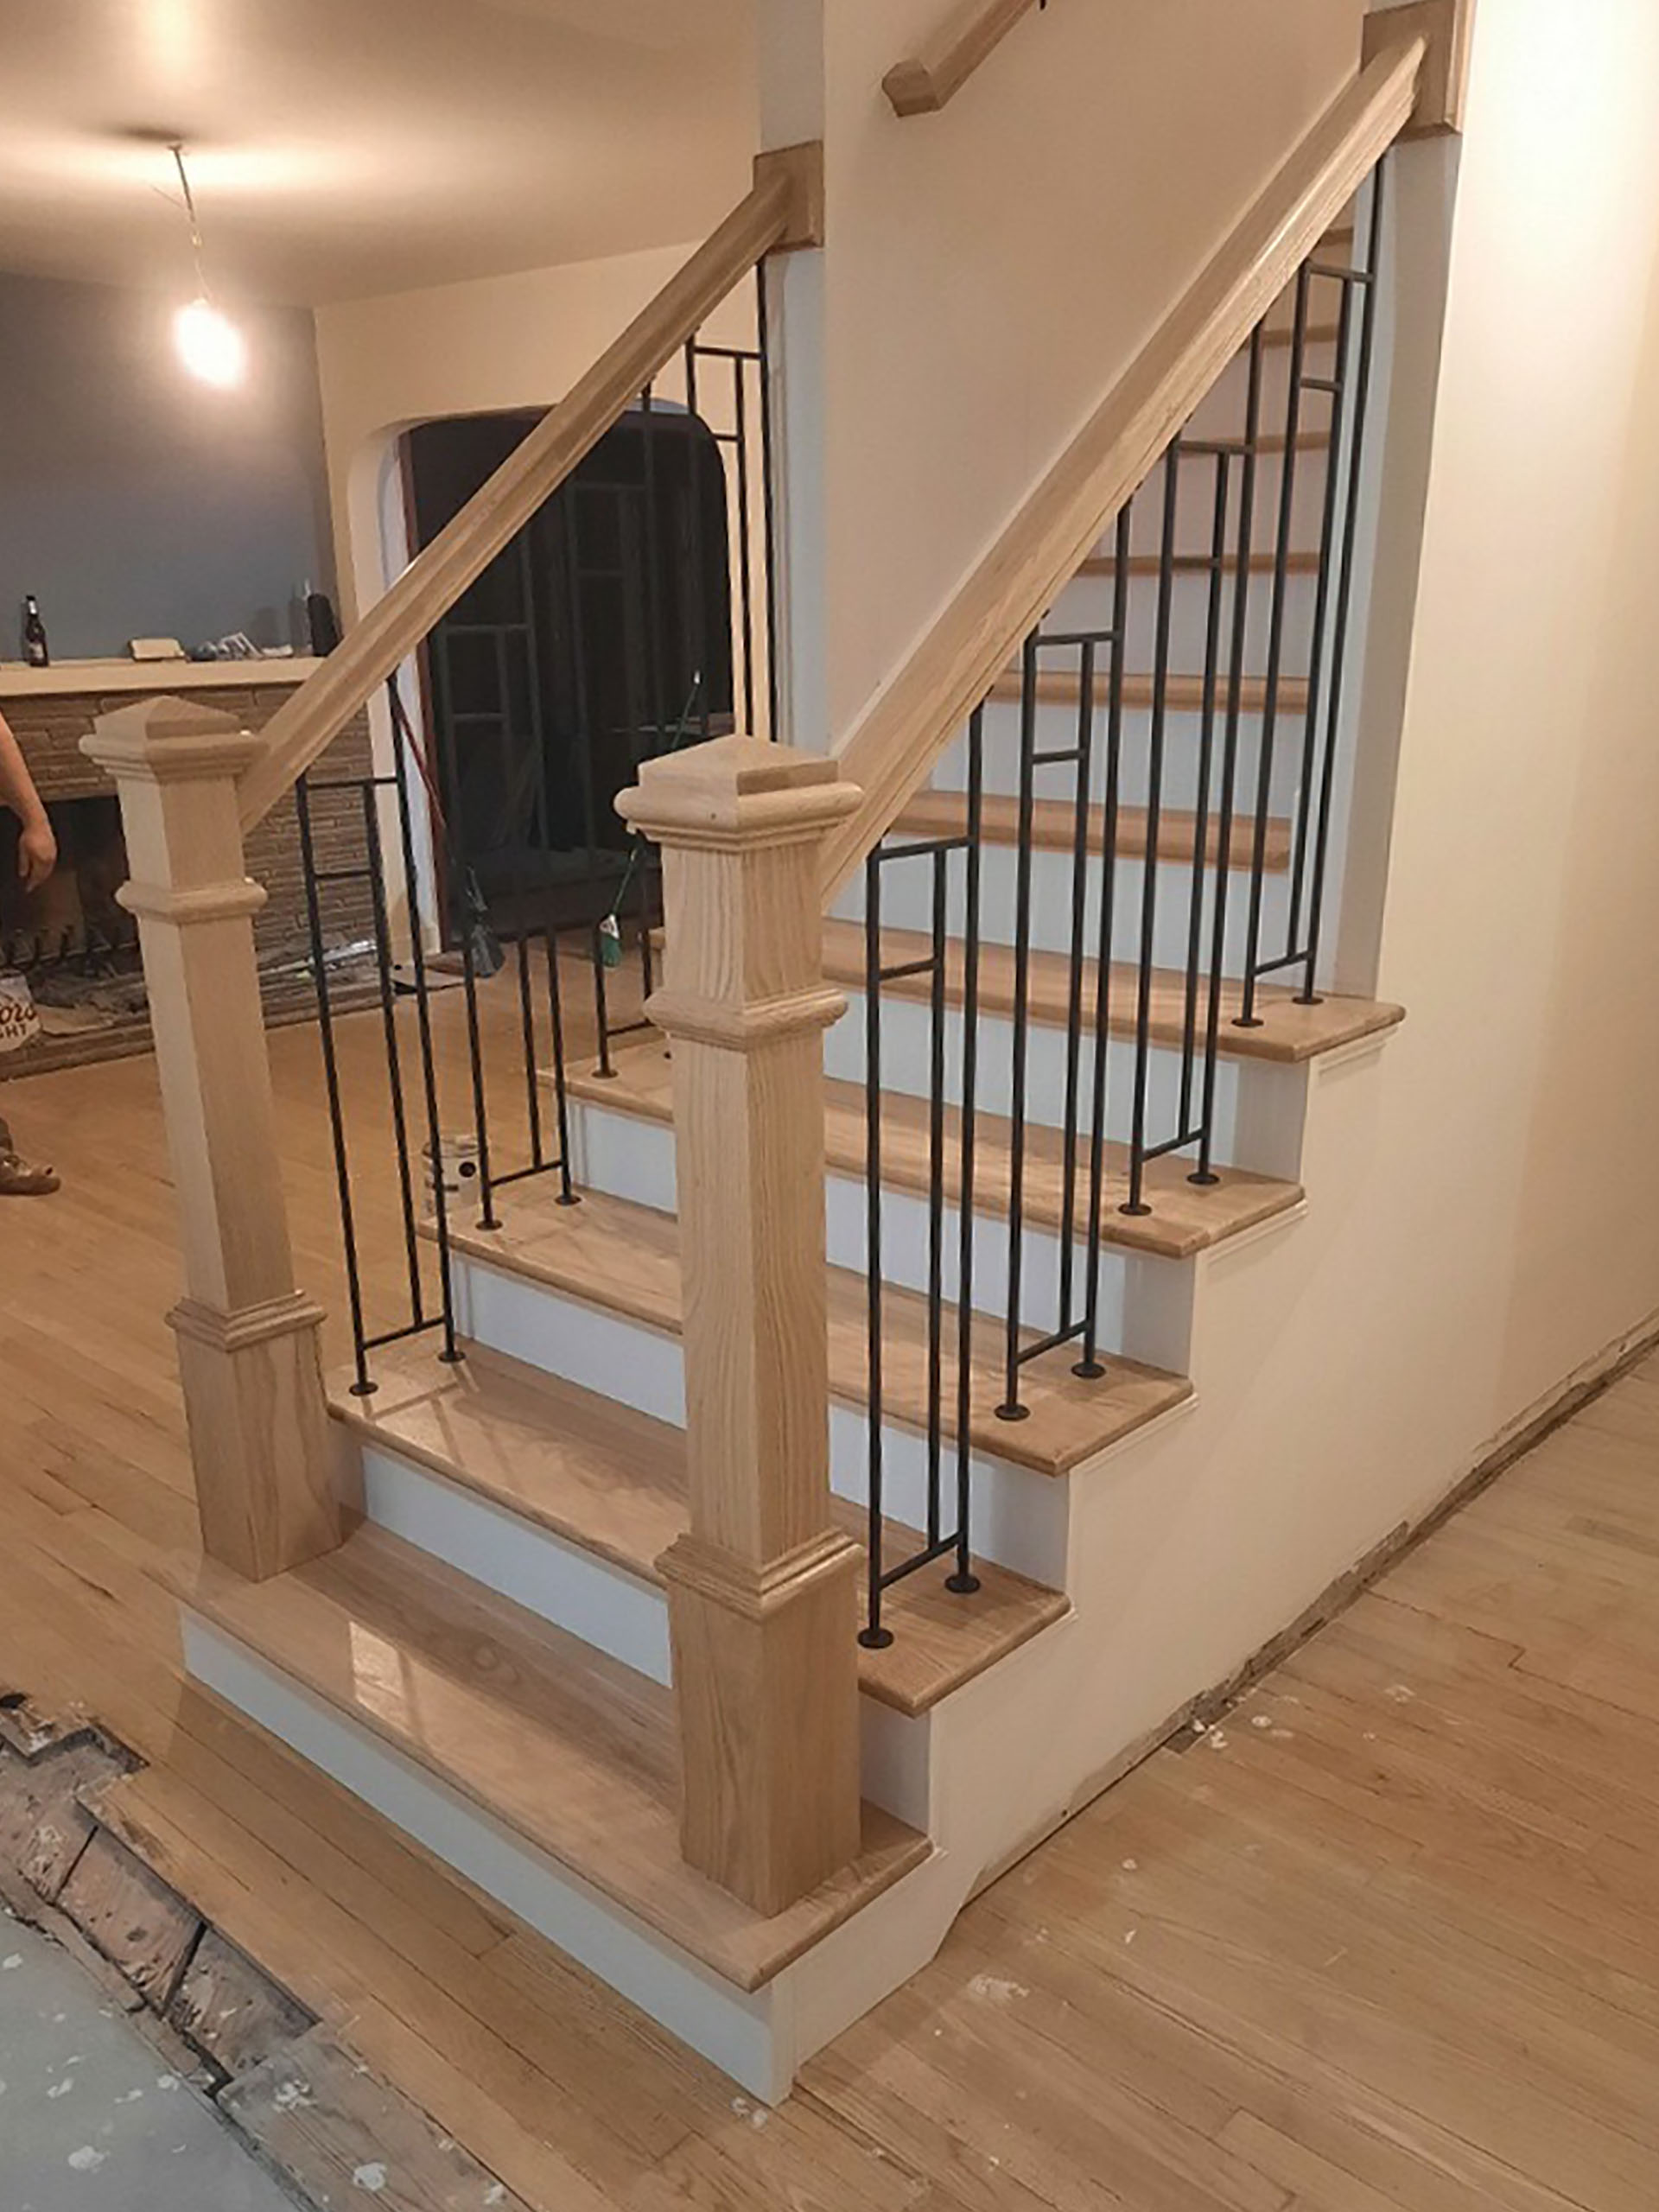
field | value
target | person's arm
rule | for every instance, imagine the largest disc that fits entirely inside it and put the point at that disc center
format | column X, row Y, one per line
column 37, row 848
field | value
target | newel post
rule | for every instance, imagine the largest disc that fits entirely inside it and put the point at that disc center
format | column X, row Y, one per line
column 762, row 1591
column 248, row 1340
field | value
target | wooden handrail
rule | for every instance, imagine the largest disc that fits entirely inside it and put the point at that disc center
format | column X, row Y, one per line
column 890, row 752
column 922, row 84
column 784, row 209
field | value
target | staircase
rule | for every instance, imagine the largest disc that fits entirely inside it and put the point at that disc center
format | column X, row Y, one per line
column 491, row 1644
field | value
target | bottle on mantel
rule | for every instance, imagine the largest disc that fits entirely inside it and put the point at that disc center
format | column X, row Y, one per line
column 36, row 651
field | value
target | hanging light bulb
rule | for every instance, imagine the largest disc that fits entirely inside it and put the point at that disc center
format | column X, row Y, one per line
column 209, row 345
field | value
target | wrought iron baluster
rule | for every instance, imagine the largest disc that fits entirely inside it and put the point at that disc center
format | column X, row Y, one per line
column 1136, row 1201
column 1358, row 419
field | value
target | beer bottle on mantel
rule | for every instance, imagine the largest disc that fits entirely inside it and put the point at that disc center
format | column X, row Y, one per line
column 36, row 651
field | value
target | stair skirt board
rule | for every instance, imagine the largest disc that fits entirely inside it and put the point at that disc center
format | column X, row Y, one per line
column 1146, row 1301
column 1021, row 1518
column 617, row 1612
column 760, row 2038
column 908, row 904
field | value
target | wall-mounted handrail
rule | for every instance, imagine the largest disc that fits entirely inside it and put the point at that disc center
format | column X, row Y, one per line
column 783, row 209
column 923, row 82
column 891, row 751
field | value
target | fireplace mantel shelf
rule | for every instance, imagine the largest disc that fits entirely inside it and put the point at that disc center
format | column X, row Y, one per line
column 102, row 678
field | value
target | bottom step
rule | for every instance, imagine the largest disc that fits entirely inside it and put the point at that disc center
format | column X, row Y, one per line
column 543, row 1771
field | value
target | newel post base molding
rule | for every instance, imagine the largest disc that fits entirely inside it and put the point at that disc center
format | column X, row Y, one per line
column 249, row 1352
column 763, row 1591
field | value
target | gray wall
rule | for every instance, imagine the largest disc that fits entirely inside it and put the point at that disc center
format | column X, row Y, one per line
column 135, row 502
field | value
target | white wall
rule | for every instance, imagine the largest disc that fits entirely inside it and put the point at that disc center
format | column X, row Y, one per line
column 992, row 271
column 1483, row 1194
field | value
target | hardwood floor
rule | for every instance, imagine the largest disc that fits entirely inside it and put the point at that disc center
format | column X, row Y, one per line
column 1388, row 1940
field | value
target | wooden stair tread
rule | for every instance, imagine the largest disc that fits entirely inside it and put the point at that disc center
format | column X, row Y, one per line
column 613, row 1482
column 612, row 1254
column 1289, row 1032
column 1183, row 1219
column 1053, row 822
column 1061, row 687
column 574, row 1751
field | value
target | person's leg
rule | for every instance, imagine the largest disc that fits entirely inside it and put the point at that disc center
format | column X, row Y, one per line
column 21, row 1178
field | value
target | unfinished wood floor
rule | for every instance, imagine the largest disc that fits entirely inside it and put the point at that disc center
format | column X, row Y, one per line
column 1388, row 1941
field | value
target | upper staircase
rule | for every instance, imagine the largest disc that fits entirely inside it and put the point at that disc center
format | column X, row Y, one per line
column 566, row 1589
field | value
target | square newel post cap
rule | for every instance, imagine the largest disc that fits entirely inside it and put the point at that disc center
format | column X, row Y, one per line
column 171, row 740
column 736, row 792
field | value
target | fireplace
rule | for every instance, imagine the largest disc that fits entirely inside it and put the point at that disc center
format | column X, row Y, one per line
column 79, row 949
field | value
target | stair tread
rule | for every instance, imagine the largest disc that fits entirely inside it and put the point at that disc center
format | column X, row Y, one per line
column 1054, row 827
column 612, row 1481
column 1288, row 1032
column 1184, row 1218
column 576, row 1752
column 1063, row 687
column 612, row 1253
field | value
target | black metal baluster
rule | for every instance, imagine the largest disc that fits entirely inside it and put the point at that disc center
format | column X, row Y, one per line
column 601, row 1006
column 763, row 346
column 873, row 1636
column 654, row 561
column 1201, row 820
column 1089, row 1367
column 1345, row 588
column 1247, row 1017
column 1074, row 998
column 746, row 585
column 935, row 1205
column 561, row 1099
column 1204, row 1173
column 700, row 630
column 363, row 1387
column 394, row 1059
column 527, row 1032
column 475, row 1056
column 1328, row 523
column 963, row 1581
column 402, row 744
column 1135, row 1202
column 1011, row 1408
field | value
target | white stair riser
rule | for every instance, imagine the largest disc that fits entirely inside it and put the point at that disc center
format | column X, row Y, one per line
column 1183, row 747
column 1020, row 1518
column 906, row 1066
column 1257, row 1102
column 616, row 1612
column 1140, row 1315
column 1086, row 604
column 908, row 904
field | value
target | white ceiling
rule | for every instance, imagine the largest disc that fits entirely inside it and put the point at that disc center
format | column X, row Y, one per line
column 341, row 147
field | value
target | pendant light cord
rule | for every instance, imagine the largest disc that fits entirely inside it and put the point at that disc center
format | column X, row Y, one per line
column 177, row 152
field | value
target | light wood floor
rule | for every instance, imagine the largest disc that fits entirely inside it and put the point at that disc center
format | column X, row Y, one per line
column 1388, row 1941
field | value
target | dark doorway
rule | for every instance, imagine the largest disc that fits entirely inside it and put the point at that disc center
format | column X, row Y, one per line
column 578, row 653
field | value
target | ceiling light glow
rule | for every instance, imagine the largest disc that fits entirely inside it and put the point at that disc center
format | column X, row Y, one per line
column 209, row 345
